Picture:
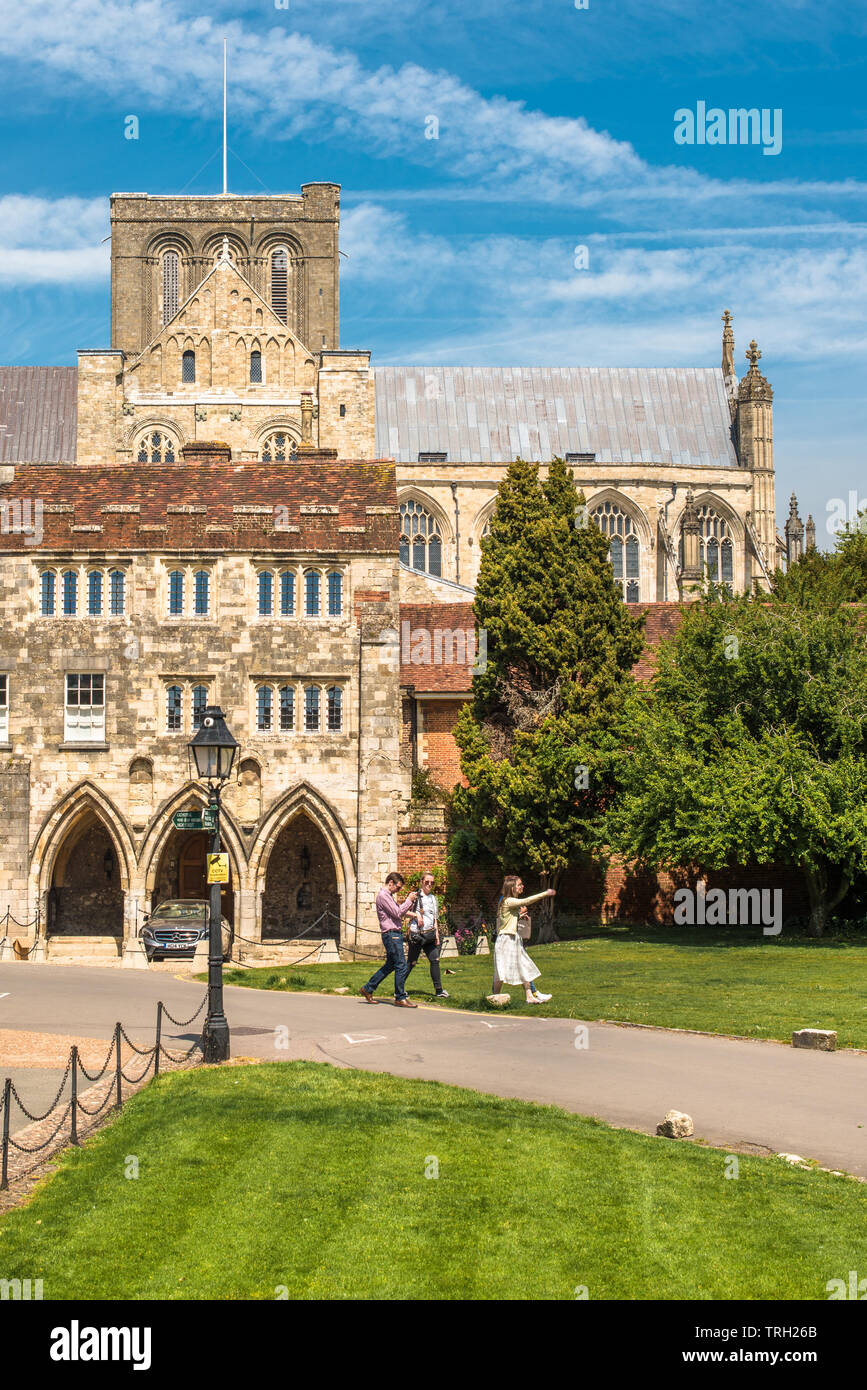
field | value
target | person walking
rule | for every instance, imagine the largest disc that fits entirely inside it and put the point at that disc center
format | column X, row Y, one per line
column 424, row 934
column 512, row 965
column 390, row 916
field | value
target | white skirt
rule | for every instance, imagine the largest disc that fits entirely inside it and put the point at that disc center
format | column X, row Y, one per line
column 511, row 962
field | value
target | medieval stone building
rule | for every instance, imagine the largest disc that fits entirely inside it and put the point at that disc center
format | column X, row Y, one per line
column 223, row 506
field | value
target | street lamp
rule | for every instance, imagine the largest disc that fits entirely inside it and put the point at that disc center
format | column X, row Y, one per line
column 213, row 750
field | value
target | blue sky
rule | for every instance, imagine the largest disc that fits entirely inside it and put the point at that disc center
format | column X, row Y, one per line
column 556, row 129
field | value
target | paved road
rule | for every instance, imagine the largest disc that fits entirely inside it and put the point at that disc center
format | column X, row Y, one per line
column 738, row 1092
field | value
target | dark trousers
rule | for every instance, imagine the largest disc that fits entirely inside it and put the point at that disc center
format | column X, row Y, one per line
column 428, row 944
column 394, row 960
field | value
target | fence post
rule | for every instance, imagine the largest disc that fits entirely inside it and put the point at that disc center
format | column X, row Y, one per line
column 159, row 1037
column 7, row 1106
column 73, row 1129
column 117, row 1067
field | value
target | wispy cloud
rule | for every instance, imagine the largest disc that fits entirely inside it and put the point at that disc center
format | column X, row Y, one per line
column 45, row 240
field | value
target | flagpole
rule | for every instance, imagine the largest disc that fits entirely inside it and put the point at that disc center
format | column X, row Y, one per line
column 225, row 164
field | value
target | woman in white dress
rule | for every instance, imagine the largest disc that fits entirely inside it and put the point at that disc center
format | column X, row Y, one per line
column 512, row 965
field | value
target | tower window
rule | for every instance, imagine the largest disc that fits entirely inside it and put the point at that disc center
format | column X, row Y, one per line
column 256, row 366
column 279, row 282
column 170, row 285
column 420, row 540
column 188, row 366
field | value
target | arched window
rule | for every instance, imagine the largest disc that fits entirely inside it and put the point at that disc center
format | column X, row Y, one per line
column 70, row 593
column 311, row 593
column 287, row 594
column 156, row 447
column 335, row 709
column 174, row 709
column 170, row 285
column 624, row 547
column 335, row 594
column 176, row 593
column 200, row 704
column 116, row 592
column 279, row 281
column 279, row 447
column 202, row 588
column 266, row 594
column 264, row 709
column 311, row 709
column 716, row 551
column 256, row 367
column 48, row 591
column 420, row 540
column 188, row 366
column 94, row 593
column 287, row 708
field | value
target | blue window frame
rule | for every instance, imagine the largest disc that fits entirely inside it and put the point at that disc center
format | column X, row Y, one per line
column 70, row 593
column 287, row 594
column 94, row 593
column 287, row 707
column 311, row 593
column 174, row 709
column 116, row 592
column 311, row 709
column 335, row 594
column 176, row 593
column 48, row 593
column 200, row 704
column 264, row 709
column 266, row 594
column 335, row 709
column 201, row 581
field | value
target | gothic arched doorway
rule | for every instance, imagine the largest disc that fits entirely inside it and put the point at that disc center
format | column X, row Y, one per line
column 86, row 893
column 301, row 884
column 182, row 871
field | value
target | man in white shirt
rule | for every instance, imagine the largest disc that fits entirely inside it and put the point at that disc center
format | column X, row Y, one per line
column 424, row 934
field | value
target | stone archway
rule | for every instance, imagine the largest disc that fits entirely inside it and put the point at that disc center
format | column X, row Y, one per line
column 181, row 871
column 85, row 895
column 300, row 884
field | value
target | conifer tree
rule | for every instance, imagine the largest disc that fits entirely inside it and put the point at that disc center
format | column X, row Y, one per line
column 538, row 737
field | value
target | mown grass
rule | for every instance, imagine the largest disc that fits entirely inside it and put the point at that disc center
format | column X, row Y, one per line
column 301, row 1177
column 724, row 982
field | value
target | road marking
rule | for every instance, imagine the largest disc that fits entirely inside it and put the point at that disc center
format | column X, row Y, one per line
column 5, row 996
column 372, row 1037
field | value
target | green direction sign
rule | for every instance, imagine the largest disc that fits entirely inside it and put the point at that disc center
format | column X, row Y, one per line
column 194, row 820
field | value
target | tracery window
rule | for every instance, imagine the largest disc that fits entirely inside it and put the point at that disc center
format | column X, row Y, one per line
column 624, row 547
column 421, row 544
column 156, row 447
column 279, row 447
column 716, row 551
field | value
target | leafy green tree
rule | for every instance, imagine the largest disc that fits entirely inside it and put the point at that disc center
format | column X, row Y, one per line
column 749, row 746
column 822, row 580
column 539, row 737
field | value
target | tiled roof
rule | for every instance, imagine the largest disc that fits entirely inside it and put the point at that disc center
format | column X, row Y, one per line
column 676, row 415
column 38, row 414
column 347, row 506
column 455, row 678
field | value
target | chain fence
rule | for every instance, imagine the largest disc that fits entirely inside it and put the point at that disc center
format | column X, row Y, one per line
column 113, row 1073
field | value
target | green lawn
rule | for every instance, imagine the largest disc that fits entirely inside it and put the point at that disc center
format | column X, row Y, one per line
column 720, row 983
column 310, row 1178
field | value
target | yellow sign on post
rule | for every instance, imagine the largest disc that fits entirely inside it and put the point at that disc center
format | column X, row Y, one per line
column 218, row 868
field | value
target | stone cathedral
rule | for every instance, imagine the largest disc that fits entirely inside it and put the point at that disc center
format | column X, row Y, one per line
column 224, row 506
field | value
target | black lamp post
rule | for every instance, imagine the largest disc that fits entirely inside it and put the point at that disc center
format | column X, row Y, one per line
column 213, row 750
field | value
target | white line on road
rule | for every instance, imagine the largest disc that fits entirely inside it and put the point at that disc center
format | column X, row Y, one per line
column 5, row 996
column 372, row 1037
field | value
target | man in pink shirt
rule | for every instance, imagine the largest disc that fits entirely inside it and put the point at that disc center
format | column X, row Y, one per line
column 389, row 913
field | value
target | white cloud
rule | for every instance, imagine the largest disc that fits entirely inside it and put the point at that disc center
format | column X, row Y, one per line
column 44, row 240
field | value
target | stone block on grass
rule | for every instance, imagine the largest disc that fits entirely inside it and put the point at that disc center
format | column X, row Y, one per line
column 676, row 1125
column 819, row 1039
